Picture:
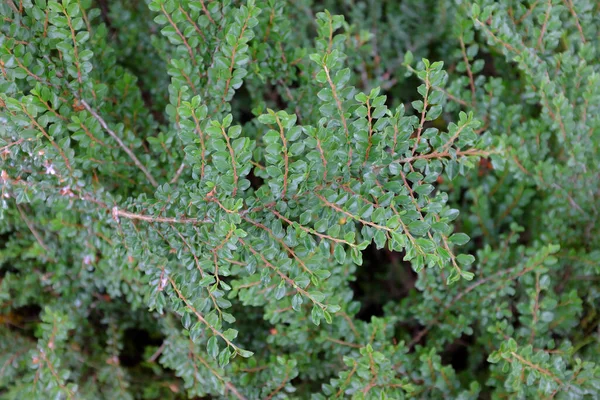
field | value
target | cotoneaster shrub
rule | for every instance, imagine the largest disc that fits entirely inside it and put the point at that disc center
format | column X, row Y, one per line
column 267, row 200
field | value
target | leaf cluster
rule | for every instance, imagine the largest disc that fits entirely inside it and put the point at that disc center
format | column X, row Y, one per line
column 270, row 200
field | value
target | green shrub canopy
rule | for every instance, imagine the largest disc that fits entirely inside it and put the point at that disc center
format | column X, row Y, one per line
column 286, row 199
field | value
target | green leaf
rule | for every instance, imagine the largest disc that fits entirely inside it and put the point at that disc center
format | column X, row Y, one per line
column 244, row 353
column 467, row 275
column 393, row 222
column 297, row 302
column 321, row 225
column 339, row 254
column 465, row 259
column 459, row 238
column 316, row 315
column 230, row 334
column 224, row 357
column 433, row 113
column 322, row 273
column 267, row 119
column 280, row 291
column 418, row 227
column 380, row 239
column 356, row 256
column 212, row 347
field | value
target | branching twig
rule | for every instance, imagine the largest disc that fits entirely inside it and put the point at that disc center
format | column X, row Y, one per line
column 127, row 150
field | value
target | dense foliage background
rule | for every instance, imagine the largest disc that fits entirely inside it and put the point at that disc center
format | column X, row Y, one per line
column 267, row 200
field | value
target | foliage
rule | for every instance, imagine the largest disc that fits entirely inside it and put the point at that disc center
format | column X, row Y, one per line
column 265, row 200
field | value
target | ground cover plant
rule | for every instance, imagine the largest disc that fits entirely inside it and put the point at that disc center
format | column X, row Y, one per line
column 299, row 199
